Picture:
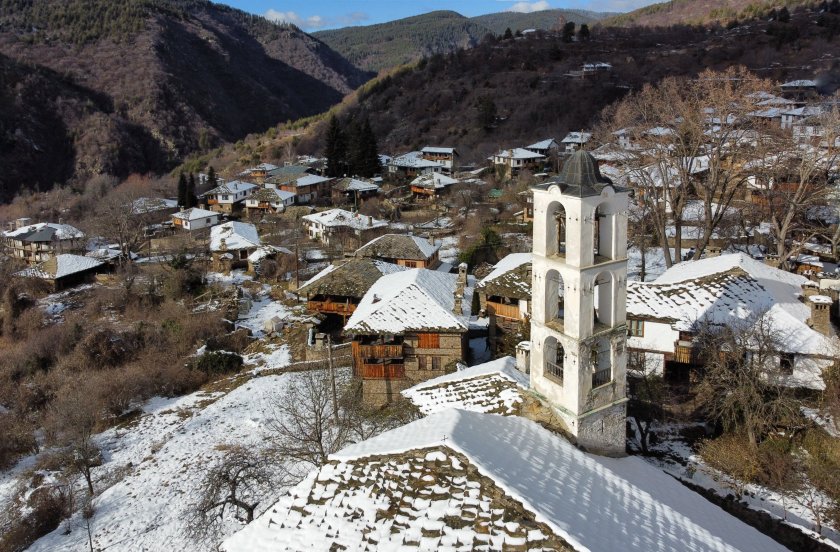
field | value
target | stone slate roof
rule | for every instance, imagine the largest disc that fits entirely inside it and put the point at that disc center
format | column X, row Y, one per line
column 351, row 279
column 580, row 177
column 511, row 278
column 398, row 246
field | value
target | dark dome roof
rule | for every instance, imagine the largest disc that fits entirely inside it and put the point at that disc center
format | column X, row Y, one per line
column 580, row 176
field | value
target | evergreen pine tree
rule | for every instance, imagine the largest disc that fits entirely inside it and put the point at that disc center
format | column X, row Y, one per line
column 355, row 147
column 192, row 200
column 568, row 31
column 369, row 159
column 508, row 34
column 583, row 33
column 182, row 191
column 784, row 15
column 212, row 181
column 335, row 149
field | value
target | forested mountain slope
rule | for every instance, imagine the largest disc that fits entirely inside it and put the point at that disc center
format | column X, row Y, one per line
column 120, row 86
column 701, row 12
column 545, row 19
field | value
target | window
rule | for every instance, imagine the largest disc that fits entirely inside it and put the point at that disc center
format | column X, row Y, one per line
column 786, row 363
column 435, row 363
column 635, row 328
column 411, row 264
column 428, row 341
column 421, row 362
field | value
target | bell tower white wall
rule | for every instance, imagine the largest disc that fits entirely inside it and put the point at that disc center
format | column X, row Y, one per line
column 578, row 325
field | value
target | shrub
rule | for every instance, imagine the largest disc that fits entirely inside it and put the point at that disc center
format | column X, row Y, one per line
column 46, row 508
column 733, row 455
column 218, row 363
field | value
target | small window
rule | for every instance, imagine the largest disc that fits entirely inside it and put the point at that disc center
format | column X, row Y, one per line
column 786, row 363
column 635, row 328
column 435, row 363
column 421, row 362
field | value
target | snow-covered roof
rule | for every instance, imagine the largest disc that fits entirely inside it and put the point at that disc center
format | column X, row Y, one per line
column 348, row 279
column 507, row 279
column 233, row 187
column 234, row 235
column 145, row 205
column 413, row 159
column 45, row 232
column 490, row 387
column 194, row 214
column 542, row 145
column 591, row 502
column 577, row 138
column 399, row 246
column 804, row 111
column 355, row 185
column 413, row 300
column 264, row 251
column 519, row 153
column 727, row 290
column 800, row 83
column 434, row 180
column 310, row 180
column 334, row 218
column 262, row 167
column 439, row 150
column 60, row 266
column 270, row 195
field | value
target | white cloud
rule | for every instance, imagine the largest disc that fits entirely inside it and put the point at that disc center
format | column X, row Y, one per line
column 528, row 7
column 314, row 22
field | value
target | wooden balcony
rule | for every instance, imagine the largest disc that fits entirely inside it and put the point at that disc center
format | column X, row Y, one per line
column 378, row 351
column 504, row 311
column 331, row 307
column 685, row 353
column 212, row 201
column 380, row 371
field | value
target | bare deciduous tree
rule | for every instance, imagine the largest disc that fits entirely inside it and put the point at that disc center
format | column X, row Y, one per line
column 73, row 418
column 742, row 388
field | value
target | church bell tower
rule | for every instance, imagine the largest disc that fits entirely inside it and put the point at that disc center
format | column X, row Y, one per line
column 578, row 325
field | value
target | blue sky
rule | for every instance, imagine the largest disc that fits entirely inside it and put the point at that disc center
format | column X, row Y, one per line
column 313, row 15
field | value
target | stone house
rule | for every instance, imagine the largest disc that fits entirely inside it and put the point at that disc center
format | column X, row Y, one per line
column 409, row 327
column 36, row 243
column 195, row 219
column 64, row 270
column 504, row 296
column 402, row 250
column 228, row 197
column 268, row 200
column 443, row 155
column 510, row 162
column 232, row 243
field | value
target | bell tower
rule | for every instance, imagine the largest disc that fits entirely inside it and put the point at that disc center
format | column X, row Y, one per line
column 578, row 323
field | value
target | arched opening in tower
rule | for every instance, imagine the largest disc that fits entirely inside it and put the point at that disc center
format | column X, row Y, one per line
column 557, row 230
column 554, row 357
column 603, row 300
column 555, row 307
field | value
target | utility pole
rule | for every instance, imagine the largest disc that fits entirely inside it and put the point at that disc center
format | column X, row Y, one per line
column 332, row 379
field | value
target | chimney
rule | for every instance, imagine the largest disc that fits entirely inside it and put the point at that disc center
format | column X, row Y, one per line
column 460, row 284
column 821, row 314
column 523, row 357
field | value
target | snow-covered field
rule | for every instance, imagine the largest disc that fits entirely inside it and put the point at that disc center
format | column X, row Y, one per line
column 164, row 456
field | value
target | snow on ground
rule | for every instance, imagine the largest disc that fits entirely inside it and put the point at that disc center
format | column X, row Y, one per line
column 449, row 250
column 56, row 303
column 490, row 387
column 676, row 457
column 275, row 356
column 235, row 277
column 165, row 455
column 591, row 502
column 824, row 420
column 654, row 263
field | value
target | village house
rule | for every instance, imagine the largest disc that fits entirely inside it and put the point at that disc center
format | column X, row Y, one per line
column 64, row 270
column 431, row 185
column 335, row 226
column 306, row 188
column 154, row 209
column 267, row 252
column 794, row 116
column 799, row 89
column 575, row 141
column 411, row 164
column 402, row 250
column 504, row 296
column 353, row 190
column 510, row 162
column 259, row 173
column 232, row 243
column 268, row 200
column 596, row 68
column 409, row 327
column 228, row 197
column 544, row 147
column 444, row 156
column 35, row 243
column 195, row 219
column 338, row 289
column 665, row 316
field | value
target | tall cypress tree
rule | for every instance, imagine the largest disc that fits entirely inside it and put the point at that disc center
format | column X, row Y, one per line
column 369, row 164
column 192, row 200
column 182, row 191
column 335, row 149
column 212, row 181
column 355, row 147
